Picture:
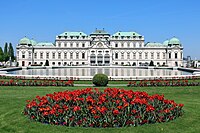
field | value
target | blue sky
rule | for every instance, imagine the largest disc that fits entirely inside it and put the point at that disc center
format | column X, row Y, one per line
column 157, row 20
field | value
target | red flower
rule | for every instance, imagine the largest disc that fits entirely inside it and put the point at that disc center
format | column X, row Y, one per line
column 150, row 108
column 76, row 108
column 115, row 112
column 134, row 111
column 180, row 105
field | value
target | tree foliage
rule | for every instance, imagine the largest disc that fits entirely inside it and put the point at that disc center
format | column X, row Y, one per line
column 151, row 63
column 11, row 52
column 1, row 55
column 6, row 57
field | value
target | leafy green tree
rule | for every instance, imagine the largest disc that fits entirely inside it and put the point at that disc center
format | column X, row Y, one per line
column 151, row 63
column 11, row 52
column 6, row 57
column 1, row 55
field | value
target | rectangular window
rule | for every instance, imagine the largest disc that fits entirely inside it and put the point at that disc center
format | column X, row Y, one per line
column 158, row 55
column 65, row 55
column 77, row 55
column 128, row 45
column 116, row 45
column 122, row 55
column 59, row 45
column 140, row 55
column 146, row 55
column 163, row 55
column 83, row 45
column 128, row 55
column 71, row 55
column 53, row 55
column 77, row 45
column 134, row 55
column 29, row 54
column 169, row 55
column 47, row 55
column 41, row 55
column 59, row 55
column 23, row 56
column 83, row 55
column 176, row 55
column 152, row 55
column 116, row 55
column 122, row 45
column 71, row 44
column 35, row 55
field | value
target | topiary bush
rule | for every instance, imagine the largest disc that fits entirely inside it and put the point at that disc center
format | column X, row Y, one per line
column 100, row 80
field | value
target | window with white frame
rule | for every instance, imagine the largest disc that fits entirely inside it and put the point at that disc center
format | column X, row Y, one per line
column 122, row 55
column 53, row 55
column 170, row 55
column 176, row 55
column 134, row 55
column 146, row 55
column 158, row 55
column 77, row 55
column 140, row 55
column 164, row 55
column 59, row 55
column 35, row 55
column 29, row 54
column 83, row 55
column 116, row 55
column 65, row 55
column 152, row 55
column 128, row 55
column 71, row 55
column 41, row 55
column 47, row 55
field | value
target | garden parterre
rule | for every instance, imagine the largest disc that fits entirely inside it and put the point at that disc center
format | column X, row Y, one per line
column 13, row 100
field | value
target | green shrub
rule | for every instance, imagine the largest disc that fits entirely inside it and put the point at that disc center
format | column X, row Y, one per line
column 100, row 80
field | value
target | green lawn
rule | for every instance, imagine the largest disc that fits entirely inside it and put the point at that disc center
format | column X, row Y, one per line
column 13, row 100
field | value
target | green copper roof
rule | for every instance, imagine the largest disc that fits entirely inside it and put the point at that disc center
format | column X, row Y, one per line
column 33, row 42
column 166, row 42
column 73, row 34
column 126, row 34
column 154, row 44
column 45, row 44
column 174, row 40
column 25, row 40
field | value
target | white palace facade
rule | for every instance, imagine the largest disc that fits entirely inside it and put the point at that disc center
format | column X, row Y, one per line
column 99, row 49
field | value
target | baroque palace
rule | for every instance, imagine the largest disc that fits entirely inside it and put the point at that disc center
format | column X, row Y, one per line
column 100, row 49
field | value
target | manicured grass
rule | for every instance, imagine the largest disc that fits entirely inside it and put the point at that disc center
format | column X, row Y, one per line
column 13, row 100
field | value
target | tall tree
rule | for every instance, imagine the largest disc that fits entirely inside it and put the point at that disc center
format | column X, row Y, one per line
column 11, row 52
column 1, row 55
column 6, row 57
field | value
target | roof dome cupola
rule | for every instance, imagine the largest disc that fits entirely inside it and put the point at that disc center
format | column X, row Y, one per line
column 165, row 43
column 174, row 41
column 33, row 42
column 25, row 41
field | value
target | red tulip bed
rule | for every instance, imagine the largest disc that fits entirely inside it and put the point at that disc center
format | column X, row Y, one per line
column 36, row 82
column 109, row 108
column 162, row 82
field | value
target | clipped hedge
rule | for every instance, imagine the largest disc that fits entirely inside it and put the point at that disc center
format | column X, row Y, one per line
column 100, row 80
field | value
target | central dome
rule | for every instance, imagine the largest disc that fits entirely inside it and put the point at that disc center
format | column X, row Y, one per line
column 25, row 40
